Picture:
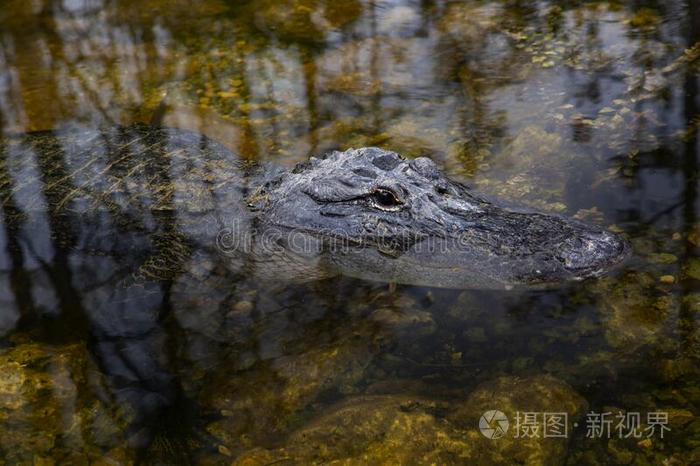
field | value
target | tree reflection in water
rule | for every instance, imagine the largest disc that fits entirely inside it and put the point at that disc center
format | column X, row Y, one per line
column 589, row 109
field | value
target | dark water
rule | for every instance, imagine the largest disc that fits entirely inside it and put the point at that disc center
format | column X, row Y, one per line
column 589, row 109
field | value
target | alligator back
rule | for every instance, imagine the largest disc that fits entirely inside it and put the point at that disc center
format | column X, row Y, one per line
column 138, row 197
column 118, row 169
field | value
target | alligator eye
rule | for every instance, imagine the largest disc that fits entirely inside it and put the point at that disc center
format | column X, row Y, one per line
column 385, row 199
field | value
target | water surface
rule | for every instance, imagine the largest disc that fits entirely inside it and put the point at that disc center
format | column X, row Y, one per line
column 588, row 109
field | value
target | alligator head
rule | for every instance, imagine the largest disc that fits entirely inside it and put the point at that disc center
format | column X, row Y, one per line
column 378, row 216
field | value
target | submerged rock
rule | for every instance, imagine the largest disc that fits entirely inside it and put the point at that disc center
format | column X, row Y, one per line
column 531, row 169
column 633, row 312
column 260, row 404
column 304, row 20
column 405, row 320
column 52, row 408
column 414, row 430
column 371, row 430
column 513, row 396
column 469, row 23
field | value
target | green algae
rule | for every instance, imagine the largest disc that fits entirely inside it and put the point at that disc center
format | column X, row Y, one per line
column 634, row 313
column 533, row 155
column 51, row 408
column 663, row 258
column 402, row 429
column 267, row 399
column 691, row 268
column 280, row 80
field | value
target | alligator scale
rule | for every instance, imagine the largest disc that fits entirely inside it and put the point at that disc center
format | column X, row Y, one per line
column 159, row 196
column 121, row 234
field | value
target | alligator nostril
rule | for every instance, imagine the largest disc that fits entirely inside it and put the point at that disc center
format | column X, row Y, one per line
column 593, row 251
column 441, row 189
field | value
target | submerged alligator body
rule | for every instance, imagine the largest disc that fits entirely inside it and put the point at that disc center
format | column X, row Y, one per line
column 160, row 196
column 121, row 235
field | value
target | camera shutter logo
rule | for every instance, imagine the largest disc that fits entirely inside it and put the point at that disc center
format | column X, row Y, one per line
column 493, row 424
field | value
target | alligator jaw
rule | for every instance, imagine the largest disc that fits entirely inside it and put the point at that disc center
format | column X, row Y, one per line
column 382, row 217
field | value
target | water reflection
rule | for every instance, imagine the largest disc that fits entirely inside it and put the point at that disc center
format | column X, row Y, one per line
column 585, row 109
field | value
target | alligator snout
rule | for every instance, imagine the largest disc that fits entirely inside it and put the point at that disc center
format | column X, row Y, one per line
column 592, row 253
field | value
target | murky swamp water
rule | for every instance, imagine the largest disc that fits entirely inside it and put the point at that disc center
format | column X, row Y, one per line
column 588, row 109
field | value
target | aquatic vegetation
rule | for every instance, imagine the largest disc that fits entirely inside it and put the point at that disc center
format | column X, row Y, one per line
column 399, row 429
column 588, row 109
column 532, row 156
column 266, row 400
column 52, row 407
column 634, row 312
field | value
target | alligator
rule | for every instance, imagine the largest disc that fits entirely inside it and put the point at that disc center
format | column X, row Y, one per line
column 366, row 213
column 115, row 228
